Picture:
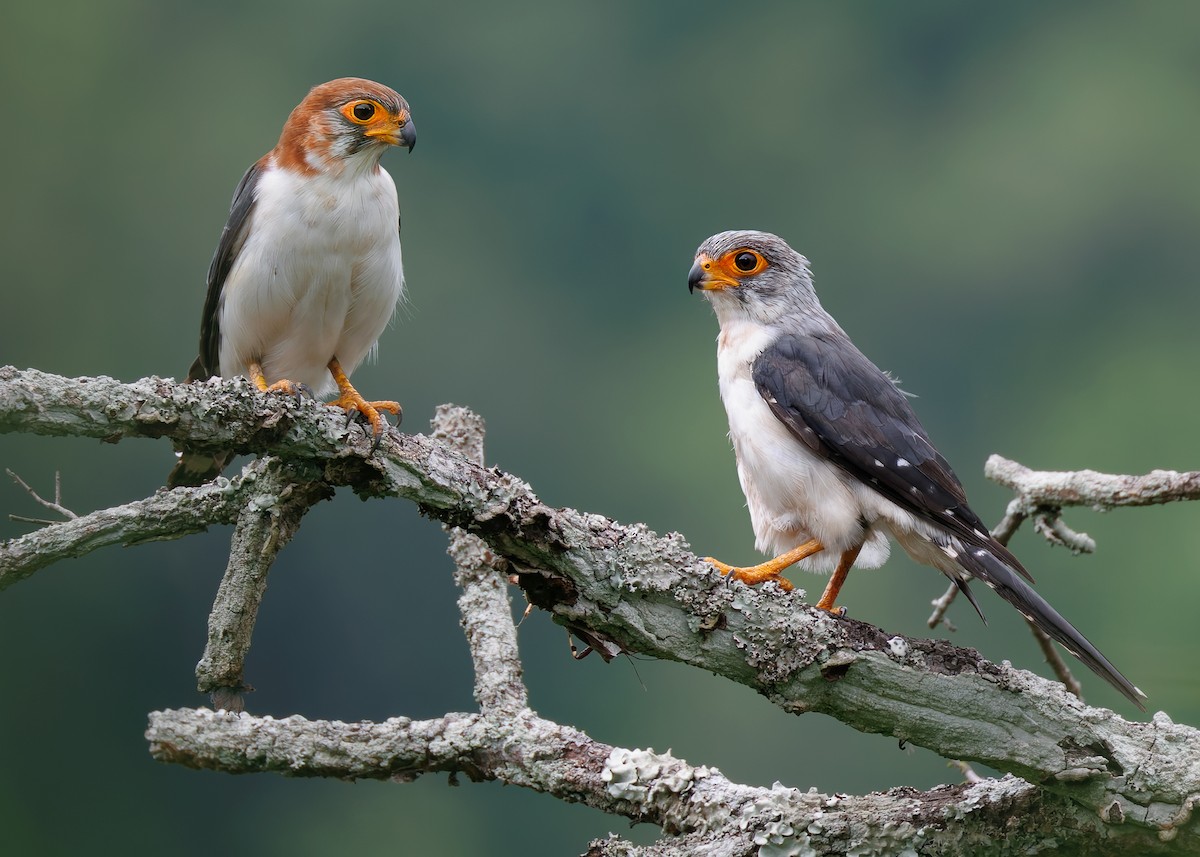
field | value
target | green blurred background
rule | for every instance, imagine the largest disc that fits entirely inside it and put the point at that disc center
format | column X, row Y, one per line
column 1001, row 203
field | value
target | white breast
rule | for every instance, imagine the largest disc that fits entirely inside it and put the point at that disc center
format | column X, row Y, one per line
column 792, row 494
column 318, row 276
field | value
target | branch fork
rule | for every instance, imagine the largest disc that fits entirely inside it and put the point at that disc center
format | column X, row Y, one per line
column 1103, row 784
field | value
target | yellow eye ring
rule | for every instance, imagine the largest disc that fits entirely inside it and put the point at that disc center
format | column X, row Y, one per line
column 743, row 262
column 362, row 111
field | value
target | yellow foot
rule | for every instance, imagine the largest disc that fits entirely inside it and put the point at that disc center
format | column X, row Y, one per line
column 351, row 401
column 772, row 569
column 752, row 574
column 260, row 381
column 284, row 386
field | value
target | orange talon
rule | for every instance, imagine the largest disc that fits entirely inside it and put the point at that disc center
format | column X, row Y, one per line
column 351, row 400
column 772, row 569
column 260, row 381
column 284, row 386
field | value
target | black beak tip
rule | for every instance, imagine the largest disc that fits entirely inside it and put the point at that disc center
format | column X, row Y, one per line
column 695, row 277
column 409, row 134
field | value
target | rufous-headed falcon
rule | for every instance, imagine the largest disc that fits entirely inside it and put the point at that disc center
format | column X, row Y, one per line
column 307, row 272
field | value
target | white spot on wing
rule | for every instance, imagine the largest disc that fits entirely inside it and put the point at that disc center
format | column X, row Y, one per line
column 902, row 462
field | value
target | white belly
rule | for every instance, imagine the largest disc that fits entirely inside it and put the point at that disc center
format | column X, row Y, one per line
column 792, row 495
column 318, row 277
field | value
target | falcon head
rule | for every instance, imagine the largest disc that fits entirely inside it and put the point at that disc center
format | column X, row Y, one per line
column 348, row 121
column 752, row 275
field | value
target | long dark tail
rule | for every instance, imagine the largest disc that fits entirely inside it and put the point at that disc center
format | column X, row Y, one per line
column 1006, row 581
column 196, row 468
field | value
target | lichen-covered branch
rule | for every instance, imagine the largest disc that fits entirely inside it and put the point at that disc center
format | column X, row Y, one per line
column 484, row 602
column 640, row 592
column 267, row 522
column 698, row 808
column 164, row 516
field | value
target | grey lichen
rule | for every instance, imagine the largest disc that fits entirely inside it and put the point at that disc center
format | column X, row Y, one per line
column 1102, row 780
column 643, row 776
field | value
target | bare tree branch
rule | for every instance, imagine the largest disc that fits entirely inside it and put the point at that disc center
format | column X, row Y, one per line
column 1133, row 783
column 1058, row 489
column 1044, row 494
column 54, row 505
column 267, row 522
column 161, row 517
column 1049, row 525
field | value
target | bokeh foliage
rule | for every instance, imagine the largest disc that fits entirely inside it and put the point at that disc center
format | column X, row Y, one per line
column 1001, row 203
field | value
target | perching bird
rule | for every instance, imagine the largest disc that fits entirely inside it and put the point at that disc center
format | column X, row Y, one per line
column 830, row 455
column 308, row 272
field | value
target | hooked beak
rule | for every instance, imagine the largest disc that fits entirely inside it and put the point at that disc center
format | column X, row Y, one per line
column 706, row 277
column 408, row 132
column 401, row 132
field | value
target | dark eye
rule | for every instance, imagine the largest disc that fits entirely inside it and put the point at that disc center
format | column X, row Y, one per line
column 745, row 261
column 363, row 111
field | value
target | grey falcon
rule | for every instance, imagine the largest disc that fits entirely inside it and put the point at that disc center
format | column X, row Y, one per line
column 830, row 455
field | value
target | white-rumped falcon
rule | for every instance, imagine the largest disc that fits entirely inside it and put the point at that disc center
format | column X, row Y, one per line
column 830, row 455
column 308, row 273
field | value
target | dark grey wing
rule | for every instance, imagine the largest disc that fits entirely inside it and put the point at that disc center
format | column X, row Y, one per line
column 837, row 402
column 233, row 236
column 843, row 407
column 196, row 468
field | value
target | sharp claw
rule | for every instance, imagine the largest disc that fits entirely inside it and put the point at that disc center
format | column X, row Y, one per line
column 378, row 440
column 722, row 569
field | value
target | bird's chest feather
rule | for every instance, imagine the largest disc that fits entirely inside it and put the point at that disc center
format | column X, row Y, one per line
column 314, row 231
column 790, row 492
column 318, row 275
column 771, row 464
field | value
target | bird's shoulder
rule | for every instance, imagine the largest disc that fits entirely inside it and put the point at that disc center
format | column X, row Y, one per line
column 825, row 374
column 233, row 236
